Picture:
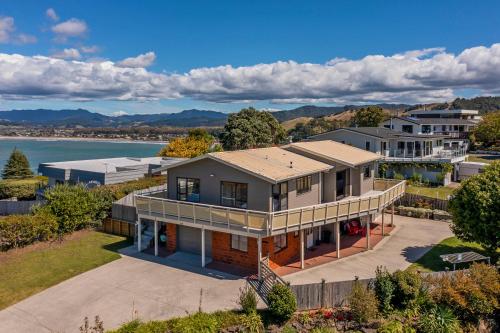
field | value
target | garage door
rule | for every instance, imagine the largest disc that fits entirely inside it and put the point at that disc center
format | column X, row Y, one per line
column 189, row 240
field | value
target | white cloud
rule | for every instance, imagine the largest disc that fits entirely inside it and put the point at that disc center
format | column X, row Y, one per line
column 90, row 49
column 68, row 54
column 51, row 13
column 142, row 60
column 6, row 28
column 119, row 113
column 70, row 28
column 8, row 35
column 414, row 76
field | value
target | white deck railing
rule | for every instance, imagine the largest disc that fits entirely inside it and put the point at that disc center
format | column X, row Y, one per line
column 268, row 223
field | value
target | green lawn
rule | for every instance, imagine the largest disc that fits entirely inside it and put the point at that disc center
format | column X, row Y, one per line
column 431, row 262
column 483, row 158
column 441, row 192
column 34, row 269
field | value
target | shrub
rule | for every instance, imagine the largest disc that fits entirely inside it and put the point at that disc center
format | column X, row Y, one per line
column 248, row 299
column 472, row 295
column 253, row 323
column 395, row 326
column 384, row 289
column 438, row 320
column 22, row 230
column 399, row 176
column 363, row 303
column 23, row 189
column 323, row 330
column 75, row 207
column 120, row 190
column 415, row 212
column 282, row 302
column 408, row 285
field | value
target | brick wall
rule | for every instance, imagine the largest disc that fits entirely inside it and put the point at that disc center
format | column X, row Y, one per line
column 222, row 251
column 284, row 256
column 171, row 237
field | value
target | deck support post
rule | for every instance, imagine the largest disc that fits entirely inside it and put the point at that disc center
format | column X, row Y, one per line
column 319, row 233
column 202, row 246
column 156, row 238
column 259, row 257
column 368, row 227
column 337, row 238
column 392, row 214
column 383, row 232
column 302, row 248
column 139, row 235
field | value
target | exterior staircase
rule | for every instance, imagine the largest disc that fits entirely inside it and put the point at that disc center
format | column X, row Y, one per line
column 268, row 279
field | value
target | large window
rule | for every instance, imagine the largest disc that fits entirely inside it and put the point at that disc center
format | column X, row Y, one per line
column 407, row 128
column 279, row 242
column 303, row 184
column 426, row 129
column 188, row 189
column 234, row 194
column 239, row 243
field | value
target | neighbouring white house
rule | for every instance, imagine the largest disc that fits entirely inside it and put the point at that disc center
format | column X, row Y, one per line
column 103, row 171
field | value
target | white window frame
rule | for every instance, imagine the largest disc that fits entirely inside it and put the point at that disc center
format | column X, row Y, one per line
column 239, row 243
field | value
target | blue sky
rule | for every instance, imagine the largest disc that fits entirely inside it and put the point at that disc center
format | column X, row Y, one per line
column 187, row 35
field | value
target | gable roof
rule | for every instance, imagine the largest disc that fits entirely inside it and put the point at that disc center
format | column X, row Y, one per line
column 272, row 164
column 383, row 133
column 336, row 152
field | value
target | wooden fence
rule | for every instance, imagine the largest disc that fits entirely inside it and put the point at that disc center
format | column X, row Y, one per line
column 11, row 207
column 410, row 200
column 118, row 227
column 124, row 209
column 334, row 294
column 324, row 294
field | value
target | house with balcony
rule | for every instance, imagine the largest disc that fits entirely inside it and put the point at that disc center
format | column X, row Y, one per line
column 455, row 131
column 472, row 115
column 280, row 206
column 405, row 153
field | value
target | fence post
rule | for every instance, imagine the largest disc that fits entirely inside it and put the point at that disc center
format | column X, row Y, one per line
column 322, row 293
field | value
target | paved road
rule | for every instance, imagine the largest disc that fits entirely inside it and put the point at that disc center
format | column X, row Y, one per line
column 152, row 288
column 120, row 290
column 411, row 239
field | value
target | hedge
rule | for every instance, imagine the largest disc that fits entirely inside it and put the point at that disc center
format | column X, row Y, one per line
column 23, row 189
column 121, row 190
column 425, row 213
column 22, row 230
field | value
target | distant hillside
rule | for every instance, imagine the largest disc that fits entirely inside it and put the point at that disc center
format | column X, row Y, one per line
column 85, row 118
column 482, row 104
column 307, row 111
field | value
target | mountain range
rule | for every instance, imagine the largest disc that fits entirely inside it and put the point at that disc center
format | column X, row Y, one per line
column 206, row 118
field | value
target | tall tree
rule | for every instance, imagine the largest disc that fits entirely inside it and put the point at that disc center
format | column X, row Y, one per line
column 251, row 128
column 17, row 166
column 198, row 142
column 488, row 130
column 370, row 116
column 475, row 207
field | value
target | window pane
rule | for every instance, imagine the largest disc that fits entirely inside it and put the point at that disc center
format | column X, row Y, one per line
column 243, row 243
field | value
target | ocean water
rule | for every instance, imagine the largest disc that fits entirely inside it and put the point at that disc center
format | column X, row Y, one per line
column 39, row 150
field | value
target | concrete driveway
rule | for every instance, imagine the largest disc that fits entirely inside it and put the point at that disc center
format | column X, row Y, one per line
column 122, row 290
column 411, row 239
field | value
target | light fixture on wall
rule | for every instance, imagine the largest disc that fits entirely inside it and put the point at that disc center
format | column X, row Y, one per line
column 212, row 175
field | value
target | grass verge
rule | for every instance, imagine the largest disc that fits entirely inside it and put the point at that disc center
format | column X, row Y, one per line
column 431, row 262
column 441, row 192
column 27, row 271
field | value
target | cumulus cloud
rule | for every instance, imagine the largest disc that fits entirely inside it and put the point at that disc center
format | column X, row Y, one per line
column 90, row 49
column 119, row 113
column 68, row 54
column 141, row 61
column 414, row 76
column 51, row 14
column 8, row 35
column 6, row 28
column 70, row 28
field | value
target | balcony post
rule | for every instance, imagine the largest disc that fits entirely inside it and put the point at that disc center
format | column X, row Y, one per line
column 156, row 238
column 337, row 238
column 368, row 226
column 139, row 234
column 259, row 257
column 383, row 213
column 203, row 246
column 301, row 248
column 392, row 214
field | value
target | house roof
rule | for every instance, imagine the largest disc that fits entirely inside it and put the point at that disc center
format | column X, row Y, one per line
column 337, row 152
column 435, row 121
column 454, row 111
column 272, row 164
column 109, row 165
column 386, row 133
